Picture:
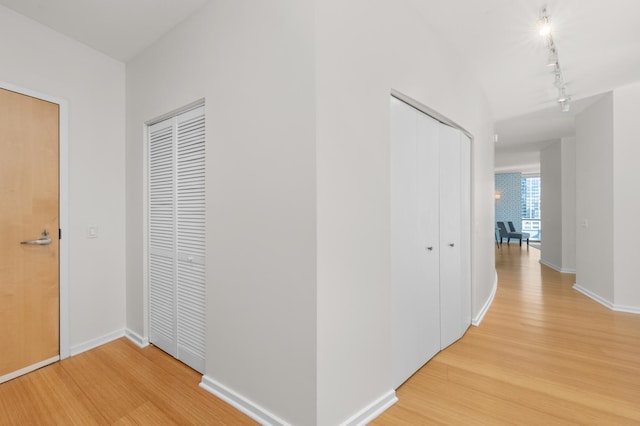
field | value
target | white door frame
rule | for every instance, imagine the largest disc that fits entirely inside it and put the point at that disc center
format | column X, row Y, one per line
column 63, row 206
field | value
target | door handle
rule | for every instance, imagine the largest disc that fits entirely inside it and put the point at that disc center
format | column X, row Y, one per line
column 42, row 241
column 451, row 245
column 430, row 248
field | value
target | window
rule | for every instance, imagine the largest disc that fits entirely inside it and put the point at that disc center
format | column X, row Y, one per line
column 531, row 207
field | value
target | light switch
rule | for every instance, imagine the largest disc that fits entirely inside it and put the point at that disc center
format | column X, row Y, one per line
column 92, row 231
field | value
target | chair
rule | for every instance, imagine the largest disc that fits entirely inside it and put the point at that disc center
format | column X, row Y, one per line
column 513, row 233
column 502, row 232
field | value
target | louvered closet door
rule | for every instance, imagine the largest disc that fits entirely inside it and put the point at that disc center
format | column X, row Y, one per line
column 191, row 239
column 177, row 237
column 162, row 249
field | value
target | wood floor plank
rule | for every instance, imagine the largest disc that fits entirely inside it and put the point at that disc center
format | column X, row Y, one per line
column 147, row 414
column 544, row 354
column 117, row 383
column 59, row 398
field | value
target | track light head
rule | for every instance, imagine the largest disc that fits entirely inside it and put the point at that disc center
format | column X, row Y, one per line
column 544, row 23
column 558, row 80
column 562, row 95
column 544, row 26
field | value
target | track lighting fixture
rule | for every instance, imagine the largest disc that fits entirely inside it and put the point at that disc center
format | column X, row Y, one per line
column 562, row 96
column 552, row 59
column 544, row 23
column 545, row 30
column 558, row 80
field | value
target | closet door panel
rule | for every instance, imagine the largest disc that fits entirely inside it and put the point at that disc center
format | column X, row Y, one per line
column 190, row 238
column 162, row 261
column 414, row 275
column 465, row 231
column 191, row 314
column 404, row 228
column 427, row 303
column 450, row 219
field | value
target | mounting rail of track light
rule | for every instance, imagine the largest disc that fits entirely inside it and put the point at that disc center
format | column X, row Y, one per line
column 545, row 30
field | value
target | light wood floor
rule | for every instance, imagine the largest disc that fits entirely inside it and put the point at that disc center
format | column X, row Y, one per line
column 544, row 355
column 115, row 384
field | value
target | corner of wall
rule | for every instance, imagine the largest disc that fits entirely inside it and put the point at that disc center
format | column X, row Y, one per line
column 373, row 410
column 485, row 307
column 242, row 404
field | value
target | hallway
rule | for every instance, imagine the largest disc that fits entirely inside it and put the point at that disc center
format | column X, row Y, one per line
column 544, row 354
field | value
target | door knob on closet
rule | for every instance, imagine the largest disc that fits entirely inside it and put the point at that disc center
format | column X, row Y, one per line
column 451, row 245
column 430, row 248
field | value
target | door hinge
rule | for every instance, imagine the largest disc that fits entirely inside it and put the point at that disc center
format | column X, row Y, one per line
column 59, row 233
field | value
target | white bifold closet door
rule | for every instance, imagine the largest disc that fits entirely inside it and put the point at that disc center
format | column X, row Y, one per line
column 455, row 234
column 176, row 228
column 414, row 240
column 430, row 237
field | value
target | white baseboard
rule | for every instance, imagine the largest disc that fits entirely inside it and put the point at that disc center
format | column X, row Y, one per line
column 557, row 268
column 28, row 369
column 265, row 418
column 480, row 316
column 593, row 296
column 604, row 302
column 373, row 410
column 137, row 339
column 627, row 309
column 241, row 403
column 94, row 343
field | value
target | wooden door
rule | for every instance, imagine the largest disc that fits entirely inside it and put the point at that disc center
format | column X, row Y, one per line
column 414, row 240
column 29, row 273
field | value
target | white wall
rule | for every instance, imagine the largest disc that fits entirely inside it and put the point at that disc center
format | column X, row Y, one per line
column 298, row 150
column 606, row 194
column 594, row 198
column 37, row 58
column 626, row 195
column 551, row 205
column 568, row 204
column 518, row 160
column 558, row 176
column 253, row 62
column 364, row 49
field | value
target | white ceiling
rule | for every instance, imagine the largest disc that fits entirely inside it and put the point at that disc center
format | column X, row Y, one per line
column 598, row 43
column 599, row 48
column 119, row 28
